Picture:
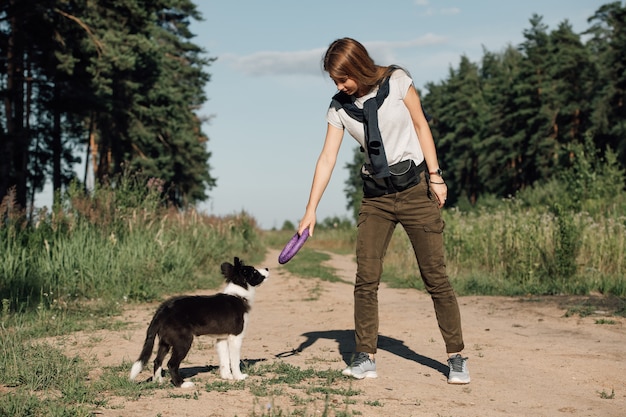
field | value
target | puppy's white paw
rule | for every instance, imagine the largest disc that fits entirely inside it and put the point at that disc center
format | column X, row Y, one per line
column 241, row 377
column 187, row 384
column 158, row 376
column 226, row 376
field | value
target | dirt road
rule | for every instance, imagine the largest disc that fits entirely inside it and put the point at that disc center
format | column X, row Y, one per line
column 526, row 357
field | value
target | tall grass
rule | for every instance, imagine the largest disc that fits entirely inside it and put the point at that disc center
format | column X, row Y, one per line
column 517, row 248
column 530, row 252
column 102, row 248
column 527, row 245
column 565, row 236
column 511, row 253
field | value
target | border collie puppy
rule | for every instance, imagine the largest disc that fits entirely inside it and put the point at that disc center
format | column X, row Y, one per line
column 223, row 316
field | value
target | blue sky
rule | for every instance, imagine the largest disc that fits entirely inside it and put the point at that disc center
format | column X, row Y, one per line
column 268, row 96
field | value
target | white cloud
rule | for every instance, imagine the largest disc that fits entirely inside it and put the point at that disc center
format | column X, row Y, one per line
column 450, row 11
column 384, row 52
column 429, row 10
column 308, row 62
column 277, row 63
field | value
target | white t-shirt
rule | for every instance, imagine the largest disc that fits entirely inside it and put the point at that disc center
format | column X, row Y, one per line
column 394, row 121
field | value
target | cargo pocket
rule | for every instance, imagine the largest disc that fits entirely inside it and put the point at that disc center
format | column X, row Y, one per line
column 435, row 227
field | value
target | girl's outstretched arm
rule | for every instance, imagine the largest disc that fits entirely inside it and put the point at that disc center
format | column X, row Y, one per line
column 323, row 172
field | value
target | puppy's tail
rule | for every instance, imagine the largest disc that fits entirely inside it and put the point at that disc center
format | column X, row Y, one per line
column 148, row 344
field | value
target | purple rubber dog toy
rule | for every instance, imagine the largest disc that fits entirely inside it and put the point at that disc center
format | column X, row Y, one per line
column 293, row 246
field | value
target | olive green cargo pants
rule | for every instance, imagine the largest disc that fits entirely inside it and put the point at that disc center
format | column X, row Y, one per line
column 417, row 211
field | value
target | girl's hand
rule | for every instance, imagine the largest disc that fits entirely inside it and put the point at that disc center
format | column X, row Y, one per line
column 440, row 191
column 308, row 221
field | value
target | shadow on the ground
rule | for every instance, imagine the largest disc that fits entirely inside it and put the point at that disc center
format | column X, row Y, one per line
column 195, row 370
column 345, row 340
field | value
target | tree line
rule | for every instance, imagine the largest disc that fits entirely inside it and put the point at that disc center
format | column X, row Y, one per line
column 511, row 121
column 120, row 80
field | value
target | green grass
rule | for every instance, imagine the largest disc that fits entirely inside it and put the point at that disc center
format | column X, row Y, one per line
column 606, row 396
column 305, row 387
column 606, row 321
column 310, row 264
column 506, row 249
column 34, row 372
column 514, row 252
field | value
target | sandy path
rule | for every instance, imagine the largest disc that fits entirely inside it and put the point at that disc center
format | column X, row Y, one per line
column 526, row 357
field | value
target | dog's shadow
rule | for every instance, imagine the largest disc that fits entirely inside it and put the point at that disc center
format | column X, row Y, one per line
column 345, row 340
column 196, row 370
column 207, row 369
column 188, row 372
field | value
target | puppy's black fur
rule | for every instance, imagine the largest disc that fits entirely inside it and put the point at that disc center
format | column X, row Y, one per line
column 222, row 315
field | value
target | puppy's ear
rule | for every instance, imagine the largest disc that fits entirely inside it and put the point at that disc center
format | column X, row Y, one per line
column 228, row 270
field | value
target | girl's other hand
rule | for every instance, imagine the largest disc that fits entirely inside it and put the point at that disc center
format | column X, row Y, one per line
column 441, row 193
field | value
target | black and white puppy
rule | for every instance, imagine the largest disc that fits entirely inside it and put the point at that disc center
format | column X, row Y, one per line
column 223, row 316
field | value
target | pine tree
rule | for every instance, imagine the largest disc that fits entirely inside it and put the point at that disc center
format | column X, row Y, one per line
column 149, row 80
column 535, row 146
column 459, row 123
column 14, row 139
column 499, row 151
column 608, row 45
column 354, row 183
column 570, row 73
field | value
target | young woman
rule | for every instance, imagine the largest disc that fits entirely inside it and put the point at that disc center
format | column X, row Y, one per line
column 402, row 183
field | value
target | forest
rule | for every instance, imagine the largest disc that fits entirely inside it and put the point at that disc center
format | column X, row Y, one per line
column 511, row 120
column 520, row 117
column 118, row 85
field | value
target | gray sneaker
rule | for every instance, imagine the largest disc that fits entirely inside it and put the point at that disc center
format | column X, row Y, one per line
column 459, row 374
column 362, row 367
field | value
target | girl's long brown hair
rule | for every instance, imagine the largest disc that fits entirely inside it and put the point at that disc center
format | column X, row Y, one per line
column 348, row 58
